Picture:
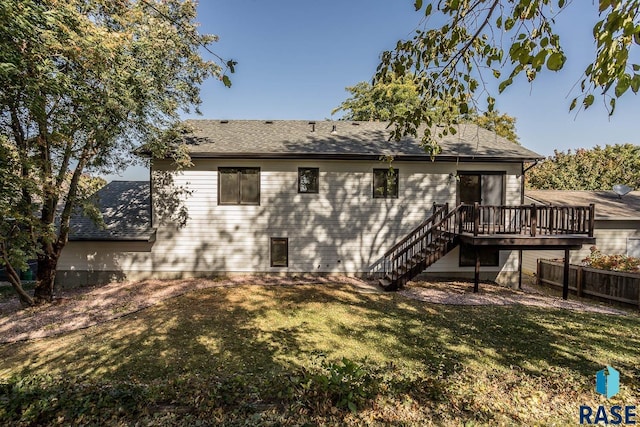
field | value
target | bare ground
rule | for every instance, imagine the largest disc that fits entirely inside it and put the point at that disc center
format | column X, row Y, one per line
column 84, row 307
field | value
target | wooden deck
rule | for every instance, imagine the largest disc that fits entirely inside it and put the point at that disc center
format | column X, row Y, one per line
column 526, row 227
column 525, row 242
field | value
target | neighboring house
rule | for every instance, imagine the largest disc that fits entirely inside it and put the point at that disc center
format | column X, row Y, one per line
column 617, row 223
column 296, row 197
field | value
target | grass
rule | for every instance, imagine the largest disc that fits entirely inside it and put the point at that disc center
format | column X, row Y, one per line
column 314, row 354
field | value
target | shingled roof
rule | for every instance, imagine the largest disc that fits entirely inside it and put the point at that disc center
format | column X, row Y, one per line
column 340, row 140
column 609, row 206
column 126, row 211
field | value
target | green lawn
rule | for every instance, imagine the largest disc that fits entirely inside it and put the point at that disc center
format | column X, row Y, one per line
column 252, row 355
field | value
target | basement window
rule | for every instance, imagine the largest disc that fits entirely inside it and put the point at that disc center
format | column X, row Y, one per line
column 279, row 252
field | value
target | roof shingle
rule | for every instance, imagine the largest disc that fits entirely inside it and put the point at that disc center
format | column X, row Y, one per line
column 340, row 139
column 126, row 212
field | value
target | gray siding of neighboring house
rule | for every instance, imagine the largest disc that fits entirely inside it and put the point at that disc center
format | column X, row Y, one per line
column 612, row 237
column 342, row 229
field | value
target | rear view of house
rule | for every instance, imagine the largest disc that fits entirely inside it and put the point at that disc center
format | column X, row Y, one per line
column 301, row 197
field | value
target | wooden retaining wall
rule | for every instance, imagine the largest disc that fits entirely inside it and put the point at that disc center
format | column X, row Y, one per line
column 613, row 286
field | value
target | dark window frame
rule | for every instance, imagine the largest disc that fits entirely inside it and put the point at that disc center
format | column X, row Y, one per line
column 464, row 261
column 316, row 172
column 386, row 195
column 239, row 172
column 275, row 240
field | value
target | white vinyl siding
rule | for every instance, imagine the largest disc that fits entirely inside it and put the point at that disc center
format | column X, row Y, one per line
column 341, row 229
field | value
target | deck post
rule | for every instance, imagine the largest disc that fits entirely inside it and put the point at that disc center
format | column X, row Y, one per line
column 520, row 269
column 476, row 218
column 534, row 219
column 565, row 277
column 592, row 218
column 476, row 277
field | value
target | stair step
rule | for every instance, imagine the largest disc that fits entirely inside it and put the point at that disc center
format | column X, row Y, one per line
column 385, row 282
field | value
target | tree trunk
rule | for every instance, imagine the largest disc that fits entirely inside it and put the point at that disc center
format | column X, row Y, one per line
column 14, row 279
column 45, row 278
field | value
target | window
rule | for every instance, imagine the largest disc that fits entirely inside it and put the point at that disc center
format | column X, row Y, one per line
column 308, row 180
column 279, row 252
column 489, row 257
column 385, row 183
column 238, row 186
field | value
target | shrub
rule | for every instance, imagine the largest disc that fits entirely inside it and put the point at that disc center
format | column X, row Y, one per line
column 43, row 400
column 345, row 383
column 597, row 259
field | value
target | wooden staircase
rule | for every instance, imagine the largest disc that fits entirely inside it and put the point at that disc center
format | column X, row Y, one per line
column 524, row 227
column 423, row 246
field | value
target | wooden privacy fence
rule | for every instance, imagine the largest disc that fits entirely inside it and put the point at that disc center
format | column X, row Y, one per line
column 615, row 286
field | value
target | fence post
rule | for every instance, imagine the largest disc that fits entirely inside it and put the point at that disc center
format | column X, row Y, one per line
column 538, row 267
column 534, row 219
column 579, row 281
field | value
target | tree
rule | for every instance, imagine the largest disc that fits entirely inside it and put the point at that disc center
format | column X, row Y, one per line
column 595, row 169
column 452, row 61
column 381, row 101
column 384, row 101
column 84, row 81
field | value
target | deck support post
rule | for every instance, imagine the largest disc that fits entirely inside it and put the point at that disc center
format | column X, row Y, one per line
column 476, row 277
column 520, row 269
column 565, row 276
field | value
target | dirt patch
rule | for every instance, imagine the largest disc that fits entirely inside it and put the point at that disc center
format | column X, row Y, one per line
column 88, row 306
column 461, row 293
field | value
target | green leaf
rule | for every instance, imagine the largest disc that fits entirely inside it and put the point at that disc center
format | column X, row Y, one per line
column 635, row 83
column 604, row 4
column 623, row 85
column 555, row 61
column 561, row 3
column 226, row 80
column 504, row 84
column 509, row 23
column 574, row 101
column 418, row 5
column 427, row 10
column 496, row 74
column 588, row 100
column 612, row 103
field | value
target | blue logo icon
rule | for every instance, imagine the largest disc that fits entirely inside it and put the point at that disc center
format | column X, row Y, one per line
column 608, row 382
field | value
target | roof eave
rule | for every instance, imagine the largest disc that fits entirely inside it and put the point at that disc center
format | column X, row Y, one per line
column 349, row 156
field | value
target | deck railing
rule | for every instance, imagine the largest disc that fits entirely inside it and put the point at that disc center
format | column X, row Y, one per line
column 532, row 220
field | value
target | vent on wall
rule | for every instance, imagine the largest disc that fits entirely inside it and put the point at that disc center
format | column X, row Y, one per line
column 224, row 121
column 313, row 126
column 268, row 122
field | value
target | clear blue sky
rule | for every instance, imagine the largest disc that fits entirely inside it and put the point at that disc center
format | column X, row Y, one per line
column 295, row 59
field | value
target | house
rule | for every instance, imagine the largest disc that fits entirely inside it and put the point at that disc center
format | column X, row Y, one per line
column 616, row 225
column 298, row 196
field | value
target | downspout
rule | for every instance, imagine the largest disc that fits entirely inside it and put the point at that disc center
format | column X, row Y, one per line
column 523, row 171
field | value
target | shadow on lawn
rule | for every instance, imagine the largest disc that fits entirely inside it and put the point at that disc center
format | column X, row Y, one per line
column 241, row 344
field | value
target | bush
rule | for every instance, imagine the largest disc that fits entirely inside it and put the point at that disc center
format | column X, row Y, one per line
column 611, row 262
